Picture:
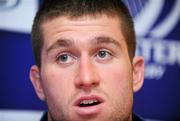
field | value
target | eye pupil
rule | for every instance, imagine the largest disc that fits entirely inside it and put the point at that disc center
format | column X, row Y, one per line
column 102, row 54
column 63, row 57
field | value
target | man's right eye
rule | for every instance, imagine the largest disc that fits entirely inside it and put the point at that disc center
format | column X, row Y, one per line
column 65, row 58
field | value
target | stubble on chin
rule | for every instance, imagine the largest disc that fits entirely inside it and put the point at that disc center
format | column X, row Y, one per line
column 114, row 116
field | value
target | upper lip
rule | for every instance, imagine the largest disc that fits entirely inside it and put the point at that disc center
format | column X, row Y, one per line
column 90, row 97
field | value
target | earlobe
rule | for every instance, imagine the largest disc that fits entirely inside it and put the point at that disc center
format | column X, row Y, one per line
column 138, row 73
column 36, row 81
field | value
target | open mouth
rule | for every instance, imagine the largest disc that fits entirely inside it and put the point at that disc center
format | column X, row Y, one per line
column 87, row 103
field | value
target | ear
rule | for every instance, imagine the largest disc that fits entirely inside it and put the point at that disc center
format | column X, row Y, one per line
column 37, row 82
column 138, row 73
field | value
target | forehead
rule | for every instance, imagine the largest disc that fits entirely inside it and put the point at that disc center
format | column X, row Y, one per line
column 65, row 22
column 81, row 28
column 95, row 18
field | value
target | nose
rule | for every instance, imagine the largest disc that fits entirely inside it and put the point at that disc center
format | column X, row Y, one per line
column 87, row 76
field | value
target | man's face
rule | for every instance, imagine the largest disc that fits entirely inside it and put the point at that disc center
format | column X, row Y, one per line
column 86, row 73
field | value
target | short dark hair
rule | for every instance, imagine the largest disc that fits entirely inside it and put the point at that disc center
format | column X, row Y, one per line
column 51, row 9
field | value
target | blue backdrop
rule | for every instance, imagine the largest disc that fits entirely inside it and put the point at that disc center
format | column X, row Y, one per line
column 157, row 24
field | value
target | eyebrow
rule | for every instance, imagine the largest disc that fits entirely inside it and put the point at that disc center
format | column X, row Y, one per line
column 106, row 40
column 61, row 43
column 70, row 43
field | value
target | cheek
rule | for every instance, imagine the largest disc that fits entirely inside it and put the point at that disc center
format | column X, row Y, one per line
column 55, row 83
column 118, row 86
column 118, row 81
column 117, row 74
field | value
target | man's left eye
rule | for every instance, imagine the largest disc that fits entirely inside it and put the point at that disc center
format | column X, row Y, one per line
column 104, row 55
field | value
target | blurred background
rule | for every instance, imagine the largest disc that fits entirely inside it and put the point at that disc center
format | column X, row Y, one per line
column 157, row 25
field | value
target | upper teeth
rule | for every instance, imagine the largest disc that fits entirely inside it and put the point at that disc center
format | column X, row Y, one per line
column 88, row 101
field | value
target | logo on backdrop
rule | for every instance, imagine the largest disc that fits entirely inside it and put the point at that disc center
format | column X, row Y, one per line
column 8, row 4
column 20, row 11
column 158, row 51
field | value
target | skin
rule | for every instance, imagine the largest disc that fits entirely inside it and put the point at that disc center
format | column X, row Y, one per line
column 87, row 56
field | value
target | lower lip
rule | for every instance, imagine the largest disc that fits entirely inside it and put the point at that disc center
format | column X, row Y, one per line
column 91, row 110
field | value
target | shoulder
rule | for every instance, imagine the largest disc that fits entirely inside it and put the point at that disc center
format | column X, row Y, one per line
column 135, row 117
